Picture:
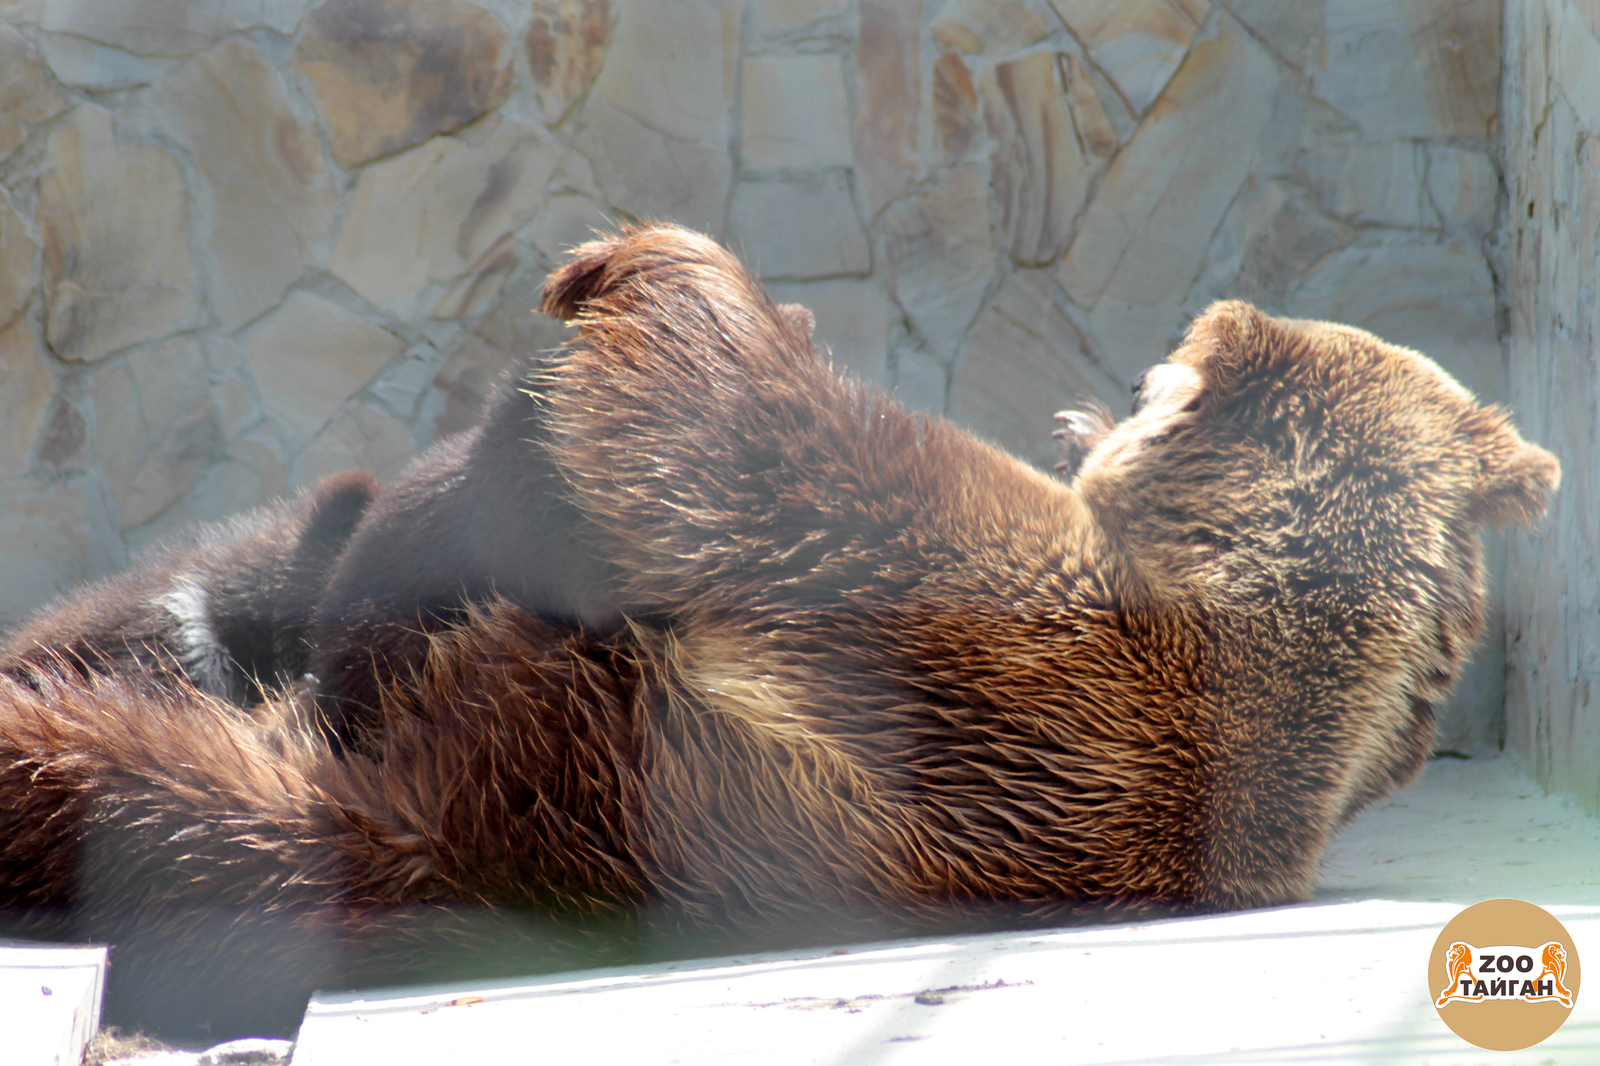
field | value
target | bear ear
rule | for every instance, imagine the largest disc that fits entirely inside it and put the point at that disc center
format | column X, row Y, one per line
column 1515, row 484
column 1236, row 344
column 1515, row 478
column 337, row 504
column 602, row 266
column 799, row 319
column 581, row 279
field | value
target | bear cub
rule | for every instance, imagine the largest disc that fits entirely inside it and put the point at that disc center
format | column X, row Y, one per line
column 226, row 606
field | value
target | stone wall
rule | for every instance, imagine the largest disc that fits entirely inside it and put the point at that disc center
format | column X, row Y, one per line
column 1552, row 120
column 246, row 244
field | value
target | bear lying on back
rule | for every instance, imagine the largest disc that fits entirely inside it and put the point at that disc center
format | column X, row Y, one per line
column 870, row 674
column 1171, row 680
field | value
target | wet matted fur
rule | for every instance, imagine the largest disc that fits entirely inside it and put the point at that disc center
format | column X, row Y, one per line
column 870, row 673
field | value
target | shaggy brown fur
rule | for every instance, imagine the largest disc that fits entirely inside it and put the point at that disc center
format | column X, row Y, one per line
column 877, row 676
column 236, row 868
column 228, row 605
column 484, row 514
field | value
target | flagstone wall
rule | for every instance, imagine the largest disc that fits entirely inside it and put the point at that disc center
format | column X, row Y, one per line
column 245, row 243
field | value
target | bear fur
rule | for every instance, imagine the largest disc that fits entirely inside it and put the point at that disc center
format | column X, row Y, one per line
column 227, row 606
column 869, row 674
column 485, row 514
column 480, row 515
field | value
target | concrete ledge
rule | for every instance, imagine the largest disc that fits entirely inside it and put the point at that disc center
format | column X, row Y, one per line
column 49, row 1002
column 1340, row 980
column 1323, row 983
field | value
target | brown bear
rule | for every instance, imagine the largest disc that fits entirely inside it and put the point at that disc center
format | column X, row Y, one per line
column 227, row 605
column 871, row 675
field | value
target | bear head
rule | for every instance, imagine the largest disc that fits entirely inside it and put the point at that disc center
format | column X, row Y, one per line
column 1322, row 493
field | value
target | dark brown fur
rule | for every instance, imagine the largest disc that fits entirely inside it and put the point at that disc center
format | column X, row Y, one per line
column 877, row 676
column 484, row 514
column 236, row 867
column 227, row 605
column 481, row 514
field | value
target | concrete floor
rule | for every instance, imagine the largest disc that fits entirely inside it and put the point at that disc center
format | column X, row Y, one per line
column 1468, row 830
column 1339, row 980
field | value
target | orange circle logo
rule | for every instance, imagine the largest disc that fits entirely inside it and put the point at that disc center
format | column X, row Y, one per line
column 1504, row 974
